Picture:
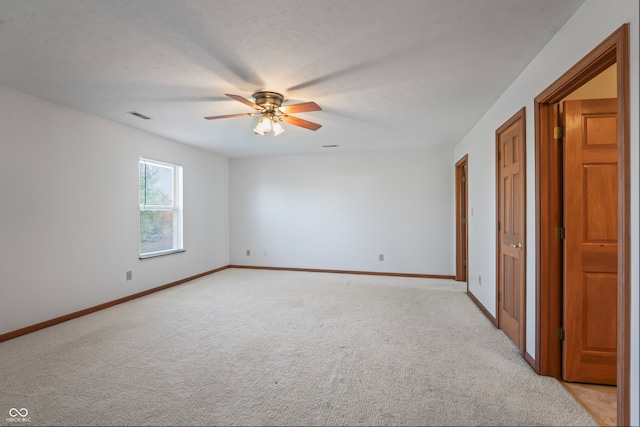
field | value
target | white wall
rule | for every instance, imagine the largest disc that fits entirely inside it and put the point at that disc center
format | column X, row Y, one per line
column 590, row 25
column 340, row 211
column 69, row 211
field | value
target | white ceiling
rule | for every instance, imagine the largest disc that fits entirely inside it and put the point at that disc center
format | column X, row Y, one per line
column 388, row 73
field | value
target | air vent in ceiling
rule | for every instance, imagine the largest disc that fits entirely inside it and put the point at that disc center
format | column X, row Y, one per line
column 142, row 116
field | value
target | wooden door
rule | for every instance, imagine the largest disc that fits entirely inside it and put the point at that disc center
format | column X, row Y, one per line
column 461, row 220
column 510, row 147
column 591, row 241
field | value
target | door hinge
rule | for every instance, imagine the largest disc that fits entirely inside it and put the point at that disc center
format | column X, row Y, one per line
column 560, row 334
column 560, row 233
column 558, row 132
column 498, row 156
column 464, row 262
column 464, row 178
column 464, row 220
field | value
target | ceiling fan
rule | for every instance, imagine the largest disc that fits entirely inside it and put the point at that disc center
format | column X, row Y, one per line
column 269, row 106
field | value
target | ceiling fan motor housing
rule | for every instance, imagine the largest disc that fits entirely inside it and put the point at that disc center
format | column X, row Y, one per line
column 268, row 100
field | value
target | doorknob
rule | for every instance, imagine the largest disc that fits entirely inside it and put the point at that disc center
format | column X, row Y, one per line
column 517, row 246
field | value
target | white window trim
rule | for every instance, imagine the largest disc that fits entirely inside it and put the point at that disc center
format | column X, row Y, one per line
column 177, row 207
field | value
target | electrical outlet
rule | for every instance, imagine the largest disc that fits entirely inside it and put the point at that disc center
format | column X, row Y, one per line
column 248, row 252
column 381, row 257
column 129, row 275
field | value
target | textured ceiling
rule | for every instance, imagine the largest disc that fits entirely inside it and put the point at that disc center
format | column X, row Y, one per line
column 388, row 73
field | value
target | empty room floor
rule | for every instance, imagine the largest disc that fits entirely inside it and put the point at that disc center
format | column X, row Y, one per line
column 256, row 347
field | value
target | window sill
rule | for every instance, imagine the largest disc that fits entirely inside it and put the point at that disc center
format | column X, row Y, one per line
column 157, row 254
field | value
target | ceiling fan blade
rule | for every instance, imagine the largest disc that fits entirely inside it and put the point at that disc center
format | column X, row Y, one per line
column 300, row 108
column 228, row 116
column 245, row 101
column 302, row 123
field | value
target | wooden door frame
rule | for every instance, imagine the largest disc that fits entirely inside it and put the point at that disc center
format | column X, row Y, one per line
column 462, row 230
column 613, row 50
column 521, row 117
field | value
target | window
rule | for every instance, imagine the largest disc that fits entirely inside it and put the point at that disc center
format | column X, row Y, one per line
column 160, row 208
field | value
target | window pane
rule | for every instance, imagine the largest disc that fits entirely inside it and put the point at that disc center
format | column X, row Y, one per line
column 160, row 189
column 156, row 185
column 143, row 182
column 156, row 231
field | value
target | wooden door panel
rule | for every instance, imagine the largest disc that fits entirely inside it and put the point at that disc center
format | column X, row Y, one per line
column 599, row 155
column 597, row 257
column 600, row 130
column 511, row 290
column 507, row 213
column 516, row 205
column 590, row 250
column 509, row 301
column 601, row 210
column 599, row 332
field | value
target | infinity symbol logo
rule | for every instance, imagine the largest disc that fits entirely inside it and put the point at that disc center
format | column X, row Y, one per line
column 13, row 412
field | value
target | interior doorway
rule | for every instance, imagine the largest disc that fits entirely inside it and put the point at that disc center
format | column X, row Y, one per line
column 511, row 230
column 462, row 240
column 549, row 215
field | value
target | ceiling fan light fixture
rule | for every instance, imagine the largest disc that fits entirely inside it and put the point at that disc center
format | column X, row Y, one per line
column 277, row 128
column 264, row 125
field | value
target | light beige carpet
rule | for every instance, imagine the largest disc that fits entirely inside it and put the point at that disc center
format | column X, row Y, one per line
column 255, row 347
